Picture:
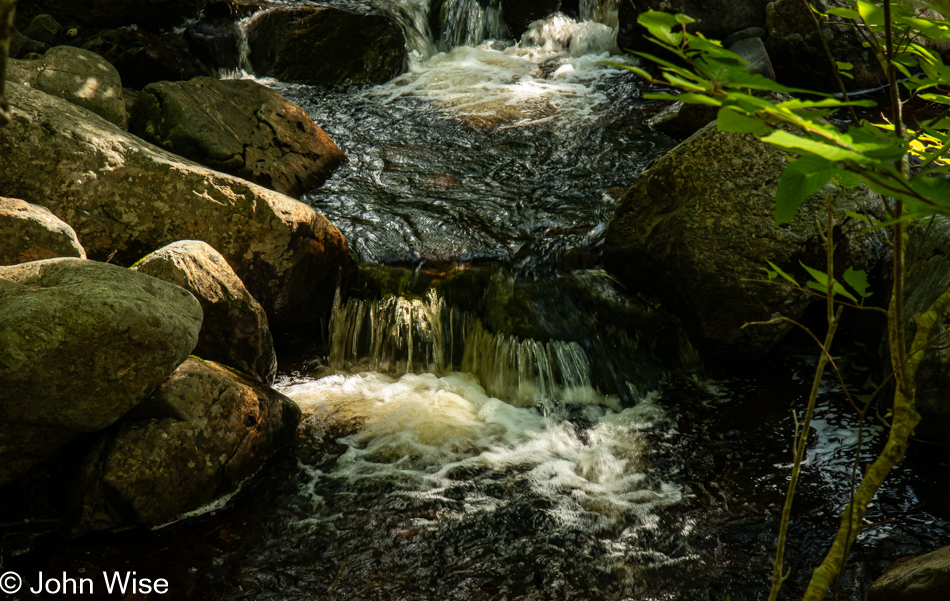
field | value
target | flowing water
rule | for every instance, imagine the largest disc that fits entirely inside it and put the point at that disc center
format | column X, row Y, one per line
column 491, row 417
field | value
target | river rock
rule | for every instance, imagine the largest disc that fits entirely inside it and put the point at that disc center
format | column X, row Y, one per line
column 126, row 198
column 928, row 278
column 922, row 578
column 715, row 20
column 45, row 29
column 234, row 330
column 30, row 232
column 79, row 76
column 326, row 45
column 83, row 342
column 204, row 431
column 518, row 14
column 799, row 57
column 698, row 225
column 142, row 57
column 239, row 127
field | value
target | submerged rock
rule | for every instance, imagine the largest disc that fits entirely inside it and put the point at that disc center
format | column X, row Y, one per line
column 922, row 578
column 697, row 228
column 234, row 330
column 30, row 232
column 239, row 127
column 326, row 45
column 81, row 343
column 203, row 432
column 126, row 198
column 79, row 76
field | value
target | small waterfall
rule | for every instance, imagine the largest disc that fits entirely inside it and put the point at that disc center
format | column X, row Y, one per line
column 396, row 335
column 469, row 22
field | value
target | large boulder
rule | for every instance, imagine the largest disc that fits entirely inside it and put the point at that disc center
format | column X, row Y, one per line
column 326, row 45
column 798, row 55
column 30, row 232
column 81, row 343
column 697, row 228
column 922, row 578
column 239, row 127
column 202, row 433
column 929, row 277
column 126, row 198
column 79, row 76
column 714, row 19
column 234, row 330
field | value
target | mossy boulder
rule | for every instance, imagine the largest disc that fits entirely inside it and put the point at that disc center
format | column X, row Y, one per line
column 698, row 226
column 201, row 434
column 126, row 198
column 324, row 45
column 239, row 127
column 234, row 330
column 30, row 232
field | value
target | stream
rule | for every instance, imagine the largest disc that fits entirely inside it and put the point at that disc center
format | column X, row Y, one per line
column 491, row 417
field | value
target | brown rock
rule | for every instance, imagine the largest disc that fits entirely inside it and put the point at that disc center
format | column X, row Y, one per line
column 922, row 578
column 30, row 233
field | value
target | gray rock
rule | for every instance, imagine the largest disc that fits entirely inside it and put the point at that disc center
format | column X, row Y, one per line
column 45, row 29
column 239, row 127
column 325, row 45
column 681, row 119
column 78, row 76
column 234, row 330
column 715, row 19
column 126, row 198
column 753, row 50
column 697, row 227
column 745, row 34
column 30, row 233
column 922, row 578
column 202, row 433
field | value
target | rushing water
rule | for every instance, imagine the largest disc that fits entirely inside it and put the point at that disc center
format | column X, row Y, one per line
column 491, row 418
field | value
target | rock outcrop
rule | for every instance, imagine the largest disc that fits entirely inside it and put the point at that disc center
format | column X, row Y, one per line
column 238, row 127
column 326, row 45
column 79, row 76
column 697, row 227
column 81, row 343
column 126, row 198
column 922, row 578
column 234, row 330
column 30, row 232
column 202, row 433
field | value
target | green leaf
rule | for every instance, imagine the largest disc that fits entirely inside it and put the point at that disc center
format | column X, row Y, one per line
column 843, row 66
column 779, row 271
column 858, row 280
column 821, row 283
column 684, row 19
column 734, row 121
column 845, row 13
column 802, row 178
column 871, row 13
column 783, row 139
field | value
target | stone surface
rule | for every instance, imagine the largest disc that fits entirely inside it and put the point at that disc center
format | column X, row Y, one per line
column 683, row 120
column 82, row 342
column 326, row 45
column 45, row 29
column 239, row 127
column 23, row 446
column 922, row 578
column 142, row 57
column 698, row 225
column 234, row 330
column 928, row 278
column 518, row 14
column 79, row 76
column 715, row 19
column 30, row 233
column 156, row 14
column 799, row 57
column 202, row 433
column 126, row 198
column 753, row 50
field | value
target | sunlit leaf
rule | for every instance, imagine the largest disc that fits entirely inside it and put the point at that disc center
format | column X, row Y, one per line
column 734, row 121
column 802, row 178
column 779, row 271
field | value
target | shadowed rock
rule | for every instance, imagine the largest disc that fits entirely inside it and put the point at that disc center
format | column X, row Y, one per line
column 30, row 233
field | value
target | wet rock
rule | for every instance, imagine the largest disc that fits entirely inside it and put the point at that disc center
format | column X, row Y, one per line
column 216, row 44
column 234, row 330
column 79, row 76
column 922, row 578
column 30, row 233
column 239, row 127
column 683, row 120
column 45, row 29
column 753, row 50
column 518, row 14
column 698, row 225
column 126, row 198
column 715, row 20
column 927, row 279
column 326, row 45
column 799, row 57
column 203, row 432
column 745, row 34
column 142, row 57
